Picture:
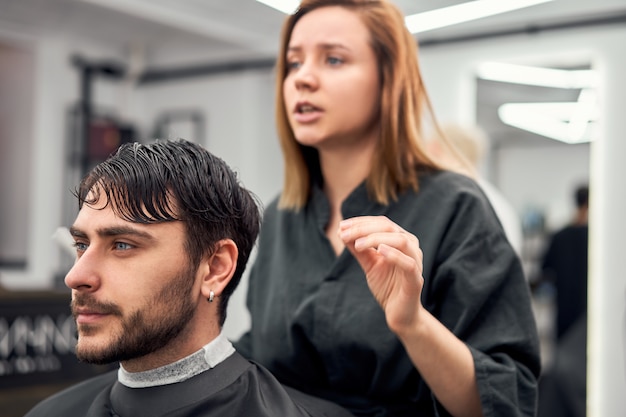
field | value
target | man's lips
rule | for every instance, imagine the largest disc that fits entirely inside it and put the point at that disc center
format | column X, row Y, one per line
column 84, row 316
column 87, row 310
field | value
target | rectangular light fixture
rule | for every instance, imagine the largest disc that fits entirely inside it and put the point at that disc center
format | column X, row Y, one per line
column 568, row 122
column 539, row 76
column 464, row 12
column 285, row 6
column 438, row 18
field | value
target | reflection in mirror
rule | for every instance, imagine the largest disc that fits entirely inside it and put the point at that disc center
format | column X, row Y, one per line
column 541, row 121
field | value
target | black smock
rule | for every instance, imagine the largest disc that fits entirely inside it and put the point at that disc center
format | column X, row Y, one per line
column 234, row 388
column 317, row 327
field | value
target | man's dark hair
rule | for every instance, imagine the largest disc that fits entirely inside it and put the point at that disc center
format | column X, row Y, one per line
column 582, row 196
column 179, row 181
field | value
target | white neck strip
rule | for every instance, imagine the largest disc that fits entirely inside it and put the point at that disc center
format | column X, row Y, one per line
column 204, row 359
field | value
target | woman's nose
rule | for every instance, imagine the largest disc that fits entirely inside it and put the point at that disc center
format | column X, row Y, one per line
column 306, row 77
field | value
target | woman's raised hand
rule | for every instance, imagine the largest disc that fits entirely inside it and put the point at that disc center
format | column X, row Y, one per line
column 392, row 261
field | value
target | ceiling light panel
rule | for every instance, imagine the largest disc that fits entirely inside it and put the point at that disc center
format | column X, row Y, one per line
column 464, row 12
column 437, row 18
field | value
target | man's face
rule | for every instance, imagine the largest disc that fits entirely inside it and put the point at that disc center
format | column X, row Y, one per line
column 132, row 286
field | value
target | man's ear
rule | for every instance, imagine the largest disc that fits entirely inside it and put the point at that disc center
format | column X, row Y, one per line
column 219, row 268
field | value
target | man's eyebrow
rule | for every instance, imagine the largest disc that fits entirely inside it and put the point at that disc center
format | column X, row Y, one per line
column 74, row 231
column 112, row 232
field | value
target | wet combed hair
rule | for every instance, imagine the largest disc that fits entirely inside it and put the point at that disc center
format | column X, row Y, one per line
column 403, row 104
column 179, row 181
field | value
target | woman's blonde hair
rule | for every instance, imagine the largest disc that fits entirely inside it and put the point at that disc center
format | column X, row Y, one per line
column 403, row 103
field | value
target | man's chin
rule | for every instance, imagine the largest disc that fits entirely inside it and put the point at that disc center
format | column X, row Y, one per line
column 93, row 358
column 94, row 353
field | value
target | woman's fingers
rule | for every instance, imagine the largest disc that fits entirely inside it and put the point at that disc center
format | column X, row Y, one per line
column 372, row 237
column 371, row 232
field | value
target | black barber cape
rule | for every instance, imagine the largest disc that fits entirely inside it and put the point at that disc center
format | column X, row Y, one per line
column 235, row 387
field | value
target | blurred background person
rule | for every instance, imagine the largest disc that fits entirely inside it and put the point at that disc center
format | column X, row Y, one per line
column 563, row 386
column 565, row 264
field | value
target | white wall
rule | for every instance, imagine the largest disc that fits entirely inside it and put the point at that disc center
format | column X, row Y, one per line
column 239, row 117
column 16, row 109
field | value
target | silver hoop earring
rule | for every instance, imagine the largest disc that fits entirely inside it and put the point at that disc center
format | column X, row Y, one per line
column 211, row 296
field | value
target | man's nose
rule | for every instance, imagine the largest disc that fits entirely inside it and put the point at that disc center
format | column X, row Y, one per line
column 85, row 274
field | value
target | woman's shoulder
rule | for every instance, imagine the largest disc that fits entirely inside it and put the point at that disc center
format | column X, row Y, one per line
column 444, row 197
column 448, row 179
column 449, row 186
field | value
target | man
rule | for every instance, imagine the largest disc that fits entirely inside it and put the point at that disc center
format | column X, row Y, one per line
column 162, row 238
column 565, row 263
column 563, row 387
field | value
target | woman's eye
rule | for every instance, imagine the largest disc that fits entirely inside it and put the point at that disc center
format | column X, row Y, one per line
column 291, row 65
column 334, row 60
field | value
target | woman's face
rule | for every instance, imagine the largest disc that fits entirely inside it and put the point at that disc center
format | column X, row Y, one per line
column 332, row 88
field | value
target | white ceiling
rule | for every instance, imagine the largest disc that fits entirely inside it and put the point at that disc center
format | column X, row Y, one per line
column 225, row 29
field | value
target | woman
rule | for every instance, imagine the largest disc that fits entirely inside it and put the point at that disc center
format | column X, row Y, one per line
column 346, row 302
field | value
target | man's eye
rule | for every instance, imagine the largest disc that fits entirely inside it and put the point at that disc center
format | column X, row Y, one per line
column 80, row 246
column 123, row 246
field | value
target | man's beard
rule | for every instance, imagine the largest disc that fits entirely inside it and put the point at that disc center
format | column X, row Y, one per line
column 143, row 332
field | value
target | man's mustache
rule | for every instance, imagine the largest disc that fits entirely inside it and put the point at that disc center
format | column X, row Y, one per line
column 83, row 302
